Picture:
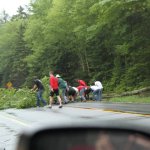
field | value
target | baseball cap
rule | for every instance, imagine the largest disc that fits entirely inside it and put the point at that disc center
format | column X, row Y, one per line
column 57, row 76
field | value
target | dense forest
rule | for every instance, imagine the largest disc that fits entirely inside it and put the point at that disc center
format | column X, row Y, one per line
column 105, row 40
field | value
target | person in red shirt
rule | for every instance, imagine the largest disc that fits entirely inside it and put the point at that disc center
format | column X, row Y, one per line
column 82, row 87
column 54, row 89
column 81, row 82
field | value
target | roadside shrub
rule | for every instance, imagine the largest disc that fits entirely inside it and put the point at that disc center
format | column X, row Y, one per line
column 45, row 82
column 24, row 98
column 13, row 98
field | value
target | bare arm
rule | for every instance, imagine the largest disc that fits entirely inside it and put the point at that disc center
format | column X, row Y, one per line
column 34, row 88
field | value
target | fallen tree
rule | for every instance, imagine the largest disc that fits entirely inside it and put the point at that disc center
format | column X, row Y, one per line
column 136, row 92
column 129, row 93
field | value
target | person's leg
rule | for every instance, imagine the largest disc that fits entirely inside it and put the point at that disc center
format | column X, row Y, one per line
column 71, row 94
column 64, row 96
column 58, row 97
column 51, row 98
column 86, row 94
column 38, row 99
column 69, row 98
column 82, row 94
column 41, row 98
column 94, row 95
column 60, row 93
column 51, row 101
column 75, row 96
column 72, row 98
column 98, row 94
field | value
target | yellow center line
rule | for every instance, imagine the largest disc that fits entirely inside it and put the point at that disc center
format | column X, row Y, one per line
column 113, row 110
column 127, row 112
column 13, row 119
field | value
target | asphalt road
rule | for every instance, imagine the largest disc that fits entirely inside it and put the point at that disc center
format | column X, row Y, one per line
column 13, row 121
column 122, row 107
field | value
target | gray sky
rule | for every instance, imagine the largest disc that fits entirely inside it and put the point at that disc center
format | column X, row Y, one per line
column 11, row 6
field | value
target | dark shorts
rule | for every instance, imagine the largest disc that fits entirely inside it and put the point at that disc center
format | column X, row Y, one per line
column 56, row 92
column 71, row 92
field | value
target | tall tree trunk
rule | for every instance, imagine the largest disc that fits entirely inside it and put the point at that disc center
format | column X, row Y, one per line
column 82, row 62
column 87, row 63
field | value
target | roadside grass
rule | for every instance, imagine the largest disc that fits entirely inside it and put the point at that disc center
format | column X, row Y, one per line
column 130, row 99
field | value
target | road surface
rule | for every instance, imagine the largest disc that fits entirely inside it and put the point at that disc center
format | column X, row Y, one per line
column 122, row 107
column 13, row 121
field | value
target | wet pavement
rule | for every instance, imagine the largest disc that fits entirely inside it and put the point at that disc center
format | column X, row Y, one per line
column 13, row 121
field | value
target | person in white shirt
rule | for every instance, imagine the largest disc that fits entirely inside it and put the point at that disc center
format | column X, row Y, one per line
column 99, row 84
column 97, row 90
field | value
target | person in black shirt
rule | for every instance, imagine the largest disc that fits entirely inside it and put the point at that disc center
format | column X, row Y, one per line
column 38, row 86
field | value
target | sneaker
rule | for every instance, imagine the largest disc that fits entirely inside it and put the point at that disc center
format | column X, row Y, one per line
column 60, row 106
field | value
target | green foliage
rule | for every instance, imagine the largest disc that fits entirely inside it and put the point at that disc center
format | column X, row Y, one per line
column 45, row 82
column 106, row 40
column 131, row 99
column 13, row 50
column 21, row 98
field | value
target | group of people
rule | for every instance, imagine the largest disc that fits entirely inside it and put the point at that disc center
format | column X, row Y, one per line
column 64, row 92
